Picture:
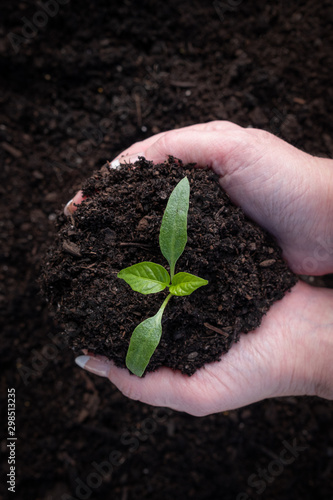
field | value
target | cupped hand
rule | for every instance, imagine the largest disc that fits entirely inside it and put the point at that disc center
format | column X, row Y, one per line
column 290, row 193
column 282, row 357
column 286, row 191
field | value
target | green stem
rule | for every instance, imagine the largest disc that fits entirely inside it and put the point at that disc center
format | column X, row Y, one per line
column 163, row 306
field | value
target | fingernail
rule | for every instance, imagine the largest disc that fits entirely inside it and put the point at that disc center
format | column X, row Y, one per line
column 126, row 159
column 67, row 210
column 99, row 366
column 114, row 164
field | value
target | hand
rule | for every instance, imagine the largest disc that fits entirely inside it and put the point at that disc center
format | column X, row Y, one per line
column 290, row 193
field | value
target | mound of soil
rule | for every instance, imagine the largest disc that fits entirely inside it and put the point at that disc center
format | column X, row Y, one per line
column 118, row 226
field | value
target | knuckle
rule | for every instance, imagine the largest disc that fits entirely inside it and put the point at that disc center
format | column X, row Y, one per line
column 220, row 125
column 261, row 137
column 165, row 143
column 129, row 390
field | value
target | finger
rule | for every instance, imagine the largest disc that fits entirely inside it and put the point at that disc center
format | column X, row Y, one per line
column 204, row 147
column 131, row 154
column 171, row 389
column 72, row 204
column 140, row 148
column 99, row 365
column 163, row 388
column 206, row 392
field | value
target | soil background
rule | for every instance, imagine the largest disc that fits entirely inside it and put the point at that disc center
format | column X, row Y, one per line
column 91, row 79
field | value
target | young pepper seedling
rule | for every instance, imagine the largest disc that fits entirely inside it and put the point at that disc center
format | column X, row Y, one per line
column 148, row 277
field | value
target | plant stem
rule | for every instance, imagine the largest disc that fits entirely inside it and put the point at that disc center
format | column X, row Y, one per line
column 163, row 306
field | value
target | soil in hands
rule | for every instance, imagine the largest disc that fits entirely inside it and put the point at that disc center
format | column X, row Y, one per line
column 118, row 226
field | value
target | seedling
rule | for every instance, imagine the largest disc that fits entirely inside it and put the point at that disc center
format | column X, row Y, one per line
column 148, row 277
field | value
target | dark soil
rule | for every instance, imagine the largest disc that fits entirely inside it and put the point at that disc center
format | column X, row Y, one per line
column 118, row 226
column 99, row 76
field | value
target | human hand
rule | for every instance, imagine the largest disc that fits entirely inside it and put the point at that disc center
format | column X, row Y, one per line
column 290, row 194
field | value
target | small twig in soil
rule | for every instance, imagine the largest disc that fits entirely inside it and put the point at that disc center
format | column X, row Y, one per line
column 90, row 266
column 72, row 219
column 71, row 248
column 176, row 83
column 11, row 150
column 215, row 329
column 219, row 212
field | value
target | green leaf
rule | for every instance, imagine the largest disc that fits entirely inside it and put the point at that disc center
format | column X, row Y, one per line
column 185, row 284
column 145, row 277
column 173, row 232
column 143, row 343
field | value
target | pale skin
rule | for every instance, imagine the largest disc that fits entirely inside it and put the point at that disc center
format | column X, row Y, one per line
column 289, row 193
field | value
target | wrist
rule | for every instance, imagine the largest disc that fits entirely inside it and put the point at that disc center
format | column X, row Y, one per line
column 323, row 374
column 319, row 258
column 313, row 367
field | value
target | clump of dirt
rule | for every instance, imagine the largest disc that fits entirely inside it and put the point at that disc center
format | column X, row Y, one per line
column 118, row 226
